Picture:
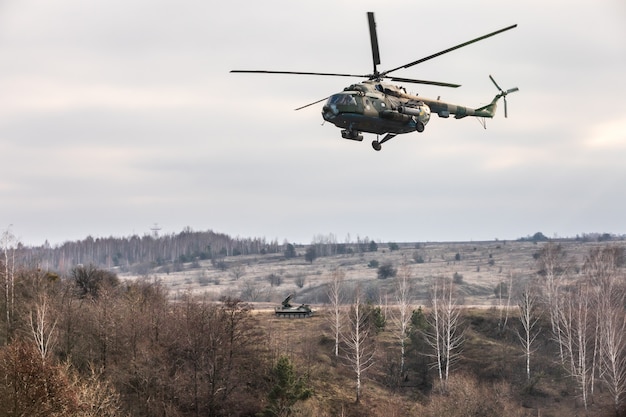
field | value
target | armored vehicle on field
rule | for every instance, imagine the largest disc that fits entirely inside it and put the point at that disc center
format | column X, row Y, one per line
column 289, row 311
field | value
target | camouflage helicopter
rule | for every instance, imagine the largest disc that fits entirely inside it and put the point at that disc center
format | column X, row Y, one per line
column 377, row 107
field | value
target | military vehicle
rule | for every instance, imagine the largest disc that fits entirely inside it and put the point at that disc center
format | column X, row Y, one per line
column 289, row 311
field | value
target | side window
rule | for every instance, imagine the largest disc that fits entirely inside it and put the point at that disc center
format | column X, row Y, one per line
column 378, row 105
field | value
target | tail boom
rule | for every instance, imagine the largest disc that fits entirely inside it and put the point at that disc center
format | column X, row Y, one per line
column 446, row 110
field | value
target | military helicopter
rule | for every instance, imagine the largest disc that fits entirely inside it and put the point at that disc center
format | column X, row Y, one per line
column 373, row 106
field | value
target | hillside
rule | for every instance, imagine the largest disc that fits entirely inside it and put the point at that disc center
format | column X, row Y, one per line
column 269, row 278
column 200, row 337
column 489, row 375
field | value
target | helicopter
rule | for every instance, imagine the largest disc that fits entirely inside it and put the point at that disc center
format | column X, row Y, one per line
column 374, row 106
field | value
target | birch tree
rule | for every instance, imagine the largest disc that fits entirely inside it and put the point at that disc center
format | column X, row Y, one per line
column 9, row 243
column 601, row 270
column 42, row 326
column 553, row 270
column 528, row 317
column 576, row 338
column 359, row 345
column 613, row 353
column 403, row 312
column 335, row 297
column 445, row 337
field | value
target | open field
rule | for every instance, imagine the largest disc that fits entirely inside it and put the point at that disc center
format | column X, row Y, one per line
column 265, row 280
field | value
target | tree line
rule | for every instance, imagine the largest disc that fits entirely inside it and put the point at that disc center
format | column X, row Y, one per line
column 150, row 250
column 139, row 254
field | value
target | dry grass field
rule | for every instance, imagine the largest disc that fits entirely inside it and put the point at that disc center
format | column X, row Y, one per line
column 265, row 280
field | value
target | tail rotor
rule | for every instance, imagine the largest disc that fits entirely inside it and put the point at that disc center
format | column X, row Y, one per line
column 503, row 93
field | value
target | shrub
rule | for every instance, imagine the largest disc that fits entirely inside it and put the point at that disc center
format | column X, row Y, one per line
column 311, row 254
column 221, row 265
column 300, row 280
column 386, row 270
column 274, row 280
column 465, row 396
column 418, row 258
column 89, row 280
column 290, row 251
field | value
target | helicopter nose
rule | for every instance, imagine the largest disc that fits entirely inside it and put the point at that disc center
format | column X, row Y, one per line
column 329, row 113
column 330, row 109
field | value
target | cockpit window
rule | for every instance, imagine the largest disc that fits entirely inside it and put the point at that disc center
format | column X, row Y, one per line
column 342, row 100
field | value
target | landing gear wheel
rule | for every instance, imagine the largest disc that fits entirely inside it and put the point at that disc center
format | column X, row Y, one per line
column 376, row 145
column 420, row 127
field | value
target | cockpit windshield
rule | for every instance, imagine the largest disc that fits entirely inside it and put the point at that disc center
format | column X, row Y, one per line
column 342, row 100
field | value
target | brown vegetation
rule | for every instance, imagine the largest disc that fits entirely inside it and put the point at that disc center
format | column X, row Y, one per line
column 97, row 342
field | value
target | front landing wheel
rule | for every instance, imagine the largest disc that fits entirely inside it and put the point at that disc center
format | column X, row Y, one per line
column 376, row 145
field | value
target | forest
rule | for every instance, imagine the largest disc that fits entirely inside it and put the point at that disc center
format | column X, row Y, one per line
column 82, row 340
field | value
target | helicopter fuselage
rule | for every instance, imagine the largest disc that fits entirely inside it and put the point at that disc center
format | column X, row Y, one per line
column 372, row 107
column 379, row 108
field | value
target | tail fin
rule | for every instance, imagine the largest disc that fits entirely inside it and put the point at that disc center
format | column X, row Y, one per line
column 489, row 110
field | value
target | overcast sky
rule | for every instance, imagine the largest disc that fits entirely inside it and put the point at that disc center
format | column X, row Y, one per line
column 118, row 115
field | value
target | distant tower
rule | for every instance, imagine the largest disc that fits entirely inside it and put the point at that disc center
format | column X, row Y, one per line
column 155, row 230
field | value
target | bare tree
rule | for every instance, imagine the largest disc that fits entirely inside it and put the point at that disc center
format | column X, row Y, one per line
column 603, row 275
column 237, row 271
column 42, row 327
column 403, row 313
column 527, row 304
column 576, row 338
column 335, row 297
column 251, row 290
column 503, row 294
column 32, row 387
column 359, row 346
column 9, row 243
column 445, row 337
column 613, row 353
column 553, row 270
column 96, row 396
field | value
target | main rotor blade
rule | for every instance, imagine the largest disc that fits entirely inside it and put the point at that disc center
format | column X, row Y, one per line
column 445, row 51
column 310, row 104
column 410, row 80
column 373, row 41
column 299, row 73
